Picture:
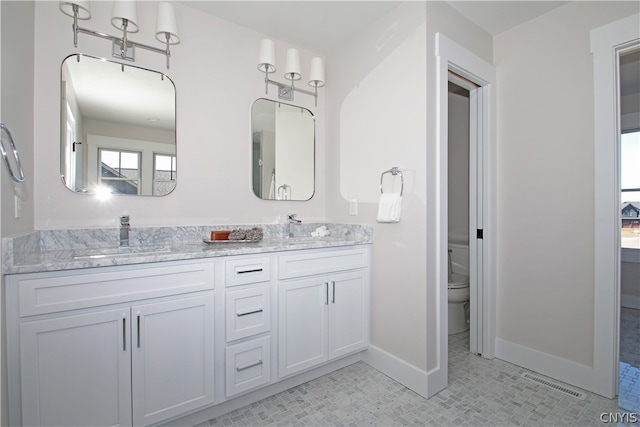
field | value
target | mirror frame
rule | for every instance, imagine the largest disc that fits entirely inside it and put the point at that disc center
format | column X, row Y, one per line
column 253, row 151
column 63, row 124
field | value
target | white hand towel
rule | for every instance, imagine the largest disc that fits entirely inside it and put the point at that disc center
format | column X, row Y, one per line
column 389, row 207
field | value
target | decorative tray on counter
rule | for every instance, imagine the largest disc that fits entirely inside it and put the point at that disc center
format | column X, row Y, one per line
column 209, row 241
column 237, row 235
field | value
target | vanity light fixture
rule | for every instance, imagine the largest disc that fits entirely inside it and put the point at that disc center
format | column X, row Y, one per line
column 266, row 64
column 124, row 16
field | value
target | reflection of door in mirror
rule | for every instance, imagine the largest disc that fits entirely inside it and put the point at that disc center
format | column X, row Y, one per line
column 70, row 150
column 119, row 133
column 283, row 151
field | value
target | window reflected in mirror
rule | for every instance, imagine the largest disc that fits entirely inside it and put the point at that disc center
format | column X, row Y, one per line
column 118, row 126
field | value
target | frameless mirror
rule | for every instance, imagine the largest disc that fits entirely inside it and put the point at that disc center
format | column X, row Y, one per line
column 118, row 128
column 283, row 151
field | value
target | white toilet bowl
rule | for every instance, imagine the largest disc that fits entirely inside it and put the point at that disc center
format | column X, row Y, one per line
column 458, row 297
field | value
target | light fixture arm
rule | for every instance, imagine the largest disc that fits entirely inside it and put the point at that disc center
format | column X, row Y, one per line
column 124, row 43
column 286, row 91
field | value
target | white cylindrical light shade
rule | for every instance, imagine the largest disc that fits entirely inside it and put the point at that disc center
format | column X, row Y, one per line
column 267, row 60
column 316, row 77
column 125, row 9
column 84, row 10
column 292, row 71
column 166, row 24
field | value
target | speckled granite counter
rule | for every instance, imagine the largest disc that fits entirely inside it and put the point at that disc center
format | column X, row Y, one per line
column 52, row 250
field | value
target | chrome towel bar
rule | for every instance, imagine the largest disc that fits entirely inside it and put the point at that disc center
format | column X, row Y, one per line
column 393, row 171
column 5, row 131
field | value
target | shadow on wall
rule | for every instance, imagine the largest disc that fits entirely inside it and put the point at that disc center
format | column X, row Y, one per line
column 377, row 105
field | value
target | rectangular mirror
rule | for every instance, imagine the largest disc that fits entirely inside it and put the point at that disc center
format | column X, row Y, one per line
column 283, row 151
column 118, row 128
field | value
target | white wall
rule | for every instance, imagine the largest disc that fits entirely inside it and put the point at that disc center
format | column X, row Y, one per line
column 458, row 156
column 18, row 109
column 546, row 180
column 381, row 113
column 16, row 106
column 214, row 71
column 375, row 111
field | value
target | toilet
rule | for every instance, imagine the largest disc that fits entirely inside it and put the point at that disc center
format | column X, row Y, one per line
column 458, row 288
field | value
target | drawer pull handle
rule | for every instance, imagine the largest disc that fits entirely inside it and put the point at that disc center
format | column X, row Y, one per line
column 255, row 270
column 326, row 287
column 250, row 365
column 124, row 334
column 246, row 313
column 333, row 292
column 138, row 331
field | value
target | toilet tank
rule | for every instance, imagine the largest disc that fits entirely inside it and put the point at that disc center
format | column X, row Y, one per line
column 459, row 258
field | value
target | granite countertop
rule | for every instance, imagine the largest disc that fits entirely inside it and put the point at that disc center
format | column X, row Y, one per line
column 78, row 249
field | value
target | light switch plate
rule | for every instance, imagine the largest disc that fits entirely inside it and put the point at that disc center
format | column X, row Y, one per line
column 353, row 207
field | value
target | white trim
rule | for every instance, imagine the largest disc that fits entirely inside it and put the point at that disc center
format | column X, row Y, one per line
column 451, row 56
column 546, row 364
column 401, row 371
column 604, row 41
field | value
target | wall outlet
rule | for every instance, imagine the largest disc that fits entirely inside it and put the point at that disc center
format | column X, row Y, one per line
column 353, row 207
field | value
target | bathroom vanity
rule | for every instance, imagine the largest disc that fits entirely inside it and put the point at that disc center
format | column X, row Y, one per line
column 150, row 337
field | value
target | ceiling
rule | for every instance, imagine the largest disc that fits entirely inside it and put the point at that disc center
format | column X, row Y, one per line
column 320, row 26
column 323, row 26
column 496, row 17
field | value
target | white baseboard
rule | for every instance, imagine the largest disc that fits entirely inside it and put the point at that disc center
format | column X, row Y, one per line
column 564, row 370
column 401, row 371
column 630, row 301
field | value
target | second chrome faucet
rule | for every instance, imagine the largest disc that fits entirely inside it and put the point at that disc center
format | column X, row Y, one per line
column 292, row 220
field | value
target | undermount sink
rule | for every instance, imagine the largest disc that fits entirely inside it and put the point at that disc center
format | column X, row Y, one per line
column 121, row 252
column 308, row 239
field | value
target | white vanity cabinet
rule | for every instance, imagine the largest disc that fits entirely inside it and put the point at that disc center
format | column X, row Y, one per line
column 151, row 343
column 323, row 307
column 110, row 346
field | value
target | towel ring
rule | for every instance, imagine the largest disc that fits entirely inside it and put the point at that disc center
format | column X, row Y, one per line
column 393, row 171
column 14, row 151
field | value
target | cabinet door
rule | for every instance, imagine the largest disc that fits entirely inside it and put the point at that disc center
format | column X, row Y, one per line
column 302, row 323
column 172, row 358
column 76, row 370
column 348, row 313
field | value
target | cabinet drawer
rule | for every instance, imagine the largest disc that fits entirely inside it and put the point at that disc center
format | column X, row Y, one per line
column 53, row 292
column 247, row 365
column 308, row 264
column 248, row 312
column 247, row 270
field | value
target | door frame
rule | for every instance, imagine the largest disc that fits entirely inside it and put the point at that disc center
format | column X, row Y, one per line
column 607, row 42
column 452, row 57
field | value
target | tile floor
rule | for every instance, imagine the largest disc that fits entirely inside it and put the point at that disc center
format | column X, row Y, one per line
column 480, row 392
column 629, row 391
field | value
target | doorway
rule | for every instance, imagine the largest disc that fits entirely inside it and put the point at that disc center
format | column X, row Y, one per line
column 450, row 56
column 628, row 64
column 607, row 42
column 463, row 207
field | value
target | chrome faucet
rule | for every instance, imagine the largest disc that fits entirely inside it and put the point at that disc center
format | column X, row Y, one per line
column 292, row 220
column 124, row 231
